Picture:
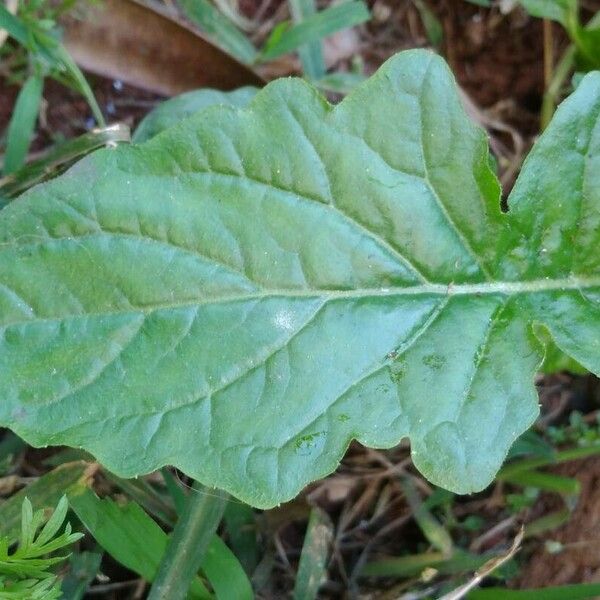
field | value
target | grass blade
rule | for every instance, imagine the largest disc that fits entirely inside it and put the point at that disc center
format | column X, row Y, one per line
column 433, row 27
column 58, row 159
column 83, row 567
column 240, row 522
column 559, row 457
column 546, row 481
column 128, row 534
column 13, row 25
column 437, row 536
column 225, row 573
column 22, row 123
column 313, row 561
column 80, row 82
column 311, row 54
column 316, row 27
column 414, row 564
column 189, row 542
column 211, row 20
column 580, row 591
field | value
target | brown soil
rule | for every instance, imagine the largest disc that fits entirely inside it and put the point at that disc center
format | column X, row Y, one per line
column 579, row 560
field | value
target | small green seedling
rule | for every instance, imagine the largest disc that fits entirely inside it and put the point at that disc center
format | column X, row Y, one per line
column 25, row 573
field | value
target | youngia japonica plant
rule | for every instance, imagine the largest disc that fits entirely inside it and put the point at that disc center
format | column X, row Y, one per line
column 250, row 290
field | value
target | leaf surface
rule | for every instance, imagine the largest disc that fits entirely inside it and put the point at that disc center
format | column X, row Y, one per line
column 249, row 291
column 170, row 112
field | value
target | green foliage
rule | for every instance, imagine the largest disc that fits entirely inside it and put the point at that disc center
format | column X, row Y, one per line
column 25, row 573
column 303, row 34
column 172, row 111
column 311, row 54
column 285, row 39
column 247, row 292
column 36, row 32
column 45, row 492
column 586, row 38
column 215, row 23
column 133, row 539
column 580, row 591
column 22, row 123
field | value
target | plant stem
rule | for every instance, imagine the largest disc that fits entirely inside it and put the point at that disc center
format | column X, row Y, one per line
column 548, row 52
column 187, row 546
column 553, row 90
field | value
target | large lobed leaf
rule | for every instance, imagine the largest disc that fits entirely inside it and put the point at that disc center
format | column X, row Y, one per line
column 249, row 291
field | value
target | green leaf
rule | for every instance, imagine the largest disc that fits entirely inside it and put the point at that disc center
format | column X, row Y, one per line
column 556, row 10
column 44, row 493
column 246, row 293
column 172, row 111
column 83, row 568
column 579, row 591
column 127, row 533
column 312, row 570
column 311, row 54
column 211, row 20
column 432, row 25
column 555, row 360
column 22, row 123
column 412, row 565
column 240, row 522
column 587, row 40
column 316, row 27
column 546, row 481
column 225, row 573
column 13, row 25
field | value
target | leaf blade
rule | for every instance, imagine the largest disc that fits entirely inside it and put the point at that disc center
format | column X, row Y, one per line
column 317, row 267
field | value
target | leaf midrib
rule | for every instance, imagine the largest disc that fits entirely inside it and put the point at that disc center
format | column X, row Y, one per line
column 499, row 288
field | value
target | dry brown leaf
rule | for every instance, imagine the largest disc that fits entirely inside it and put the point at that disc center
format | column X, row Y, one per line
column 127, row 40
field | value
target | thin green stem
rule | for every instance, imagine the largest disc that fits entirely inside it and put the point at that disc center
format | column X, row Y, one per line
column 59, row 158
column 195, row 528
column 554, row 88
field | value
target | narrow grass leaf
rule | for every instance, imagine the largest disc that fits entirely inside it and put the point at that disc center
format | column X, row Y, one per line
column 311, row 54
column 315, row 552
column 432, row 25
column 174, row 488
column 22, row 123
column 80, row 82
column 431, row 528
column 413, row 564
column 546, row 481
column 13, row 25
column 528, row 464
column 316, row 27
column 147, row 497
column 240, row 523
column 128, row 534
column 581, row 591
column 83, row 567
column 211, row 20
column 547, row 523
column 58, row 159
column 225, row 572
